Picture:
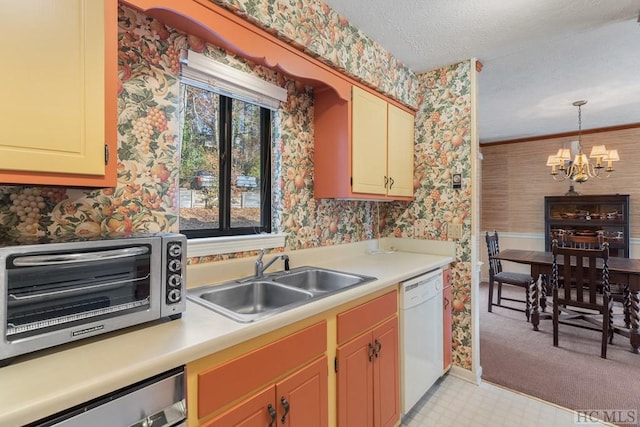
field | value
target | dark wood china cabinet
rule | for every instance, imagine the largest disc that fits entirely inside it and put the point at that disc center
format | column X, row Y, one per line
column 594, row 215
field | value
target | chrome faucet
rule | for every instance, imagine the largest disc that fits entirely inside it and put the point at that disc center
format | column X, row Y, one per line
column 260, row 268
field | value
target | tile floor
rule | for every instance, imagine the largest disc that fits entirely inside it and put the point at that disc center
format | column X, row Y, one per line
column 456, row 402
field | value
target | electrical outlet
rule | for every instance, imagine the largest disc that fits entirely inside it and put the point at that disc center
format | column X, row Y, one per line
column 455, row 231
column 420, row 228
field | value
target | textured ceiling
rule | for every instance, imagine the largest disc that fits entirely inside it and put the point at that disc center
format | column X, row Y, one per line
column 538, row 55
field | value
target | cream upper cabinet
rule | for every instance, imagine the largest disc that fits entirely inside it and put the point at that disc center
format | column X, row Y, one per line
column 382, row 146
column 368, row 142
column 363, row 147
column 400, row 148
column 54, row 102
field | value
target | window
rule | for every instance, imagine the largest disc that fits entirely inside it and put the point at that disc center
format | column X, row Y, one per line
column 225, row 168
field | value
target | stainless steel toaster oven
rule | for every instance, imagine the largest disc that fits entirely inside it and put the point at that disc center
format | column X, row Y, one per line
column 62, row 291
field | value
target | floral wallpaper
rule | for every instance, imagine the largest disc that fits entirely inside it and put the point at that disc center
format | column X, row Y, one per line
column 320, row 31
column 145, row 198
column 443, row 147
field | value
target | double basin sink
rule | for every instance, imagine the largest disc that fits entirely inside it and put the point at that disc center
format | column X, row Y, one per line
column 251, row 299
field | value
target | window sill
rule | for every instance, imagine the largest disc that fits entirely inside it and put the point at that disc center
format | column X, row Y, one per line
column 225, row 245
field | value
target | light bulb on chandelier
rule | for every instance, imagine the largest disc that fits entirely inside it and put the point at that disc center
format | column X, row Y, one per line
column 581, row 169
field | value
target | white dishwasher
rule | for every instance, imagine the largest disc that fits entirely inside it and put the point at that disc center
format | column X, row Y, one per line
column 422, row 356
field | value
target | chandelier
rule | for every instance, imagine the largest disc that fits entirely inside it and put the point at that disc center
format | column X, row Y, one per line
column 581, row 169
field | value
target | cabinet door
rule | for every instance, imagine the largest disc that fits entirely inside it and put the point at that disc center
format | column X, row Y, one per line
column 305, row 392
column 55, row 101
column 446, row 321
column 355, row 382
column 400, row 147
column 368, row 142
column 386, row 374
column 252, row 412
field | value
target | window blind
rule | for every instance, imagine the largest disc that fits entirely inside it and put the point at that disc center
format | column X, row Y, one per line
column 206, row 73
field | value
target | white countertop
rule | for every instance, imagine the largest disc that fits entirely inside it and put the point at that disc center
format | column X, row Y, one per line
column 45, row 382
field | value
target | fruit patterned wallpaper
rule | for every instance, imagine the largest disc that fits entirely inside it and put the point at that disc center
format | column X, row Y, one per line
column 145, row 198
column 314, row 27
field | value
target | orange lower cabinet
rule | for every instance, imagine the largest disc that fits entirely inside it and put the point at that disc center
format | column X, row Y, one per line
column 302, row 398
column 257, row 411
column 299, row 400
column 355, row 382
column 368, row 378
column 386, row 380
column 447, row 321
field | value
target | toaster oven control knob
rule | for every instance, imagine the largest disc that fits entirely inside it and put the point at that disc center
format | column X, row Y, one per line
column 175, row 265
column 175, row 280
column 173, row 295
column 174, row 249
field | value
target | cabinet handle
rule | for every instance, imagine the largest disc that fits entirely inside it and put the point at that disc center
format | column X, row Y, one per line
column 386, row 181
column 272, row 413
column 372, row 351
column 285, row 405
column 378, row 347
column 391, row 181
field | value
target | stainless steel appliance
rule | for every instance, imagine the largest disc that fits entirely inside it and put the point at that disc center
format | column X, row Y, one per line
column 159, row 401
column 56, row 292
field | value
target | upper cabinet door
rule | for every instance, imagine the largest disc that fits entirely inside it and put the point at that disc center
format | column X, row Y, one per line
column 59, row 91
column 369, row 142
column 400, row 152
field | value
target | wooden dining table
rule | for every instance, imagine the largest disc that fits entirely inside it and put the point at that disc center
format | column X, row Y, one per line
column 625, row 271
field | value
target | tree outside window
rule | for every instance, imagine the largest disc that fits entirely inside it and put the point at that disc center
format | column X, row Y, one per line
column 225, row 179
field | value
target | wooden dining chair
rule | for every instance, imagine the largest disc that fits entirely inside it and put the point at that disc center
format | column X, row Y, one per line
column 499, row 276
column 616, row 290
column 582, row 242
column 584, row 300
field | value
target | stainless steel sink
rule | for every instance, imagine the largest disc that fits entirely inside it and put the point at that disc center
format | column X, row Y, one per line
column 247, row 302
column 320, row 280
column 251, row 299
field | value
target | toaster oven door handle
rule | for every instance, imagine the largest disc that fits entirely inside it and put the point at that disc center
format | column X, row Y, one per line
column 54, row 259
column 75, row 290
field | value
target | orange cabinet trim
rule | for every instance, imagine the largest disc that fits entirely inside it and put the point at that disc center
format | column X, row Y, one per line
column 357, row 320
column 224, row 384
column 223, row 28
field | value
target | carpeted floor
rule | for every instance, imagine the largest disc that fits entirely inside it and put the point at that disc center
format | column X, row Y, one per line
column 572, row 375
